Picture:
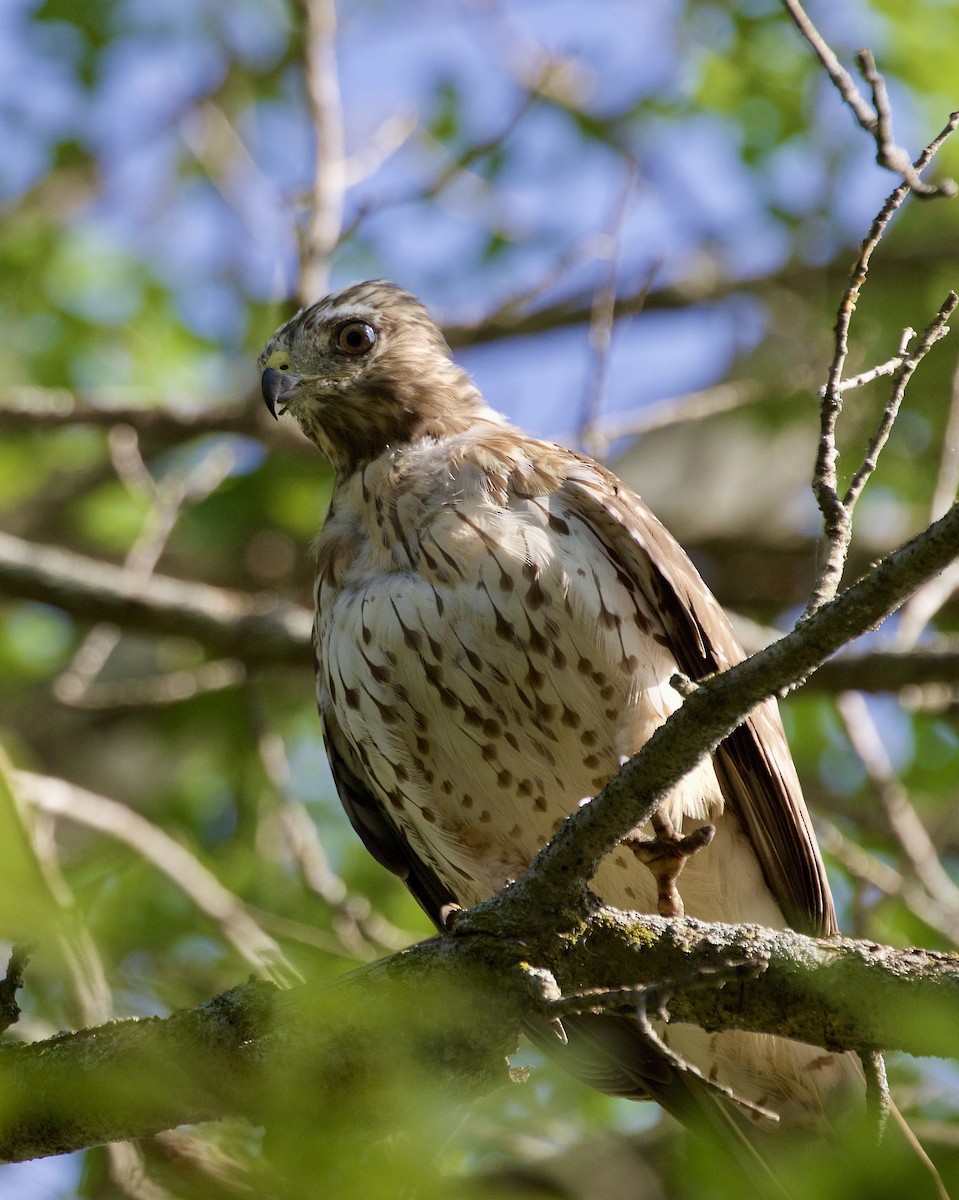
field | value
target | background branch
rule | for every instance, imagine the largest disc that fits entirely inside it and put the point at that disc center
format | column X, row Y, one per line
column 325, row 210
column 254, row 628
column 876, row 121
column 221, row 620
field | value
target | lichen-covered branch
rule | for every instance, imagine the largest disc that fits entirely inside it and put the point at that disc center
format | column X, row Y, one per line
column 454, row 1005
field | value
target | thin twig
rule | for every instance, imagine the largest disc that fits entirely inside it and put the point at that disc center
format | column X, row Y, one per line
column 286, row 820
column 158, row 691
column 916, row 844
column 837, row 516
column 91, row 990
column 602, row 321
column 216, row 144
column 61, row 799
column 889, row 367
column 878, row 1100
column 648, row 1002
column 167, row 500
column 677, row 410
column 934, row 332
column 452, row 170
column 947, row 480
column 876, row 121
column 325, row 210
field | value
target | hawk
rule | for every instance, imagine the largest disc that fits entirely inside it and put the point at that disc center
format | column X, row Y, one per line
column 497, row 623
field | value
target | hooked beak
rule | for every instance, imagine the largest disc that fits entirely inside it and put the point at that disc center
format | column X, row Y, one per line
column 276, row 387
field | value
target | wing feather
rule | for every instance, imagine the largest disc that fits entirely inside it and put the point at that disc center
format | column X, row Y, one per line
column 378, row 832
column 754, row 766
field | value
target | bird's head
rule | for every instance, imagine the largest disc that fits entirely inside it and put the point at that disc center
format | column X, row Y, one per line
column 366, row 369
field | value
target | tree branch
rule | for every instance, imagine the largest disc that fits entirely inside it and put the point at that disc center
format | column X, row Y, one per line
column 325, row 219
column 253, row 628
column 888, row 670
column 256, row 629
column 717, row 705
column 454, row 1006
column 876, row 121
column 837, row 510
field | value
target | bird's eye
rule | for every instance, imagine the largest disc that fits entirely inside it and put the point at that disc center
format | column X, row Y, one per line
column 355, row 337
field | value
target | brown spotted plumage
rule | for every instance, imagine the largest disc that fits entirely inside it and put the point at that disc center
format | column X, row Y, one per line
column 497, row 623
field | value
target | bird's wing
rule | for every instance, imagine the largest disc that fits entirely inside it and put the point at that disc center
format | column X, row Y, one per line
column 379, row 834
column 753, row 765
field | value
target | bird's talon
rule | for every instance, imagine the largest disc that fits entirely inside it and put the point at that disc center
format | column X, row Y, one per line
column 665, row 855
column 448, row 916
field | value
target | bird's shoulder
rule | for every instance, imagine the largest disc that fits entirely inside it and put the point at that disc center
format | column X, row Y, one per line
column 440, row 507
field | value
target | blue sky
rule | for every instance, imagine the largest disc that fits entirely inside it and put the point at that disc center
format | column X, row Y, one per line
column 214, row 232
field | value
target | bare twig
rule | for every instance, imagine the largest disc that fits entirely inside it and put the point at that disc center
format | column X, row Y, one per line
column 889, row 367
column 876, row 121
column 325, row 209
column 649, row 1002
column 216, row 144
column 916, row 844
column 509, row 320
column 947, row 480
column 601, row 324
column 836, row 510
column 934, row 332
column 677, row 410
column 382, row 144
column 167, row 500
column 157, row 691
column 878, row 1099
column 59, row 798
column 459, row 165
column 720, row 398
column 286, row 820
column 91, row 990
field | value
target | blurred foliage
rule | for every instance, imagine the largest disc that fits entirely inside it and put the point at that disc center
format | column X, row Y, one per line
column 158, row 172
